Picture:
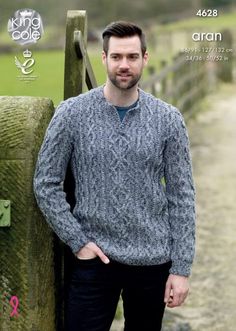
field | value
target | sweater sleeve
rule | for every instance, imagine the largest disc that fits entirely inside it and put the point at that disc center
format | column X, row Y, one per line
column 180, row 195
column 53, row 159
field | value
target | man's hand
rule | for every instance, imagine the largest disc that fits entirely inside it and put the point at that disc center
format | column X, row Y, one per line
column 177, row 288
column 90, row 251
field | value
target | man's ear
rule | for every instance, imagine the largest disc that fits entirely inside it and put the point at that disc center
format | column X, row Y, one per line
column 104, row 57
column 145, row 58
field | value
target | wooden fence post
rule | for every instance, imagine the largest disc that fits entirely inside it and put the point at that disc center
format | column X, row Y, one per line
column 164, row 80
column 77, row 77
column 75, row 67
column 225, row 66
column 151, row 72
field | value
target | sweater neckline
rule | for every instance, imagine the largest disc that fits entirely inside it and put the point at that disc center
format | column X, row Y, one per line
column 137, row 102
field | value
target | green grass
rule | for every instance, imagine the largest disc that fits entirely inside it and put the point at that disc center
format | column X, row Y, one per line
column 96, row 62
column 222, row 21
column 49, row 69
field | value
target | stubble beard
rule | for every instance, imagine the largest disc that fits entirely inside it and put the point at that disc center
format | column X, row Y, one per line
column 114, row 78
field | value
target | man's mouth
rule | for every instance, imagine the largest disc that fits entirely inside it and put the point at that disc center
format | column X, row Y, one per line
column 123, row 74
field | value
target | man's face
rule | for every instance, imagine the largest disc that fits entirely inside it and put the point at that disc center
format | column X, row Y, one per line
column 124, row 61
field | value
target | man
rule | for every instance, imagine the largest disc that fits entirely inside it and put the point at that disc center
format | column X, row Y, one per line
column 131, row 231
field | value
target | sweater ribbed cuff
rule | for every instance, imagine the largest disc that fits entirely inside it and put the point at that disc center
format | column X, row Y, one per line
column 181, row 268
column 77, row 243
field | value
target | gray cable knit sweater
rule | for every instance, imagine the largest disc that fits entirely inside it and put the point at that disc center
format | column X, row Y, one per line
column 122, row 202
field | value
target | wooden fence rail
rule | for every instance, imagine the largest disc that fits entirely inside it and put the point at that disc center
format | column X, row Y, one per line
column 78, row 70
column 187, row 80
column 181, row 83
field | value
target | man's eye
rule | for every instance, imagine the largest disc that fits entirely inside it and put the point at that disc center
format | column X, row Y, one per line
column 133, row 57
column 115, row 57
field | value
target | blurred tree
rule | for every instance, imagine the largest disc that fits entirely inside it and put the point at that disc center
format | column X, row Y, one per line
column 197, row 4
column 217, row 3
column 100, row 12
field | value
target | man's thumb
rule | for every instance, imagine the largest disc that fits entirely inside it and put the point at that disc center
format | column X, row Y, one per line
column 167, row 292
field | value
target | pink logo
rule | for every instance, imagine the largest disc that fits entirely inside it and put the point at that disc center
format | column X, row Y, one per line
column 14, row 302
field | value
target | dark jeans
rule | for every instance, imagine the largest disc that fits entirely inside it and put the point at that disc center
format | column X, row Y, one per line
column 95, row 289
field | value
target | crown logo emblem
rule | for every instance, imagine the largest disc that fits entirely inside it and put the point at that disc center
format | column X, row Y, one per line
column 27, row 64
column 26, row 13
column 27, row 53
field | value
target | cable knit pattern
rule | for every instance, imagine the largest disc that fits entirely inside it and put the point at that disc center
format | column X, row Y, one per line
column 122, row 202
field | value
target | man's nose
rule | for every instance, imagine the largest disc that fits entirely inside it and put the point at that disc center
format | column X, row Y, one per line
column 124, row 63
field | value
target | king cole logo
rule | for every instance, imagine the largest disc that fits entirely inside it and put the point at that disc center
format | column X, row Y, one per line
column 25, row 27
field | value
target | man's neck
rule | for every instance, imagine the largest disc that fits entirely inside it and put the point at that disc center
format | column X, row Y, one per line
column 119, row 97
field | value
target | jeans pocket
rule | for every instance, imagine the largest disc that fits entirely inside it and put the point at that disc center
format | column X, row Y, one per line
column 89, row 262
column 87, row 270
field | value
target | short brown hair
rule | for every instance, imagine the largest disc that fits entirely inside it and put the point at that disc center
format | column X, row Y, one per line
column 122, row 29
